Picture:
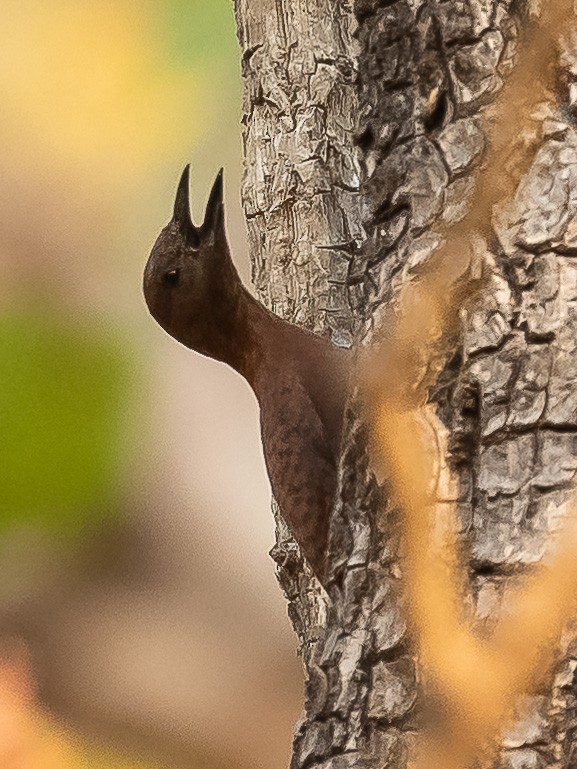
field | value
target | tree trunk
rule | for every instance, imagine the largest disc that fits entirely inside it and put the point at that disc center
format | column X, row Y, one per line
column 301, row 198
column 386, row 98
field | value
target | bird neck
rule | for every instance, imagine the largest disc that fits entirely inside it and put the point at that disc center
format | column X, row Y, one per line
column 237, row 329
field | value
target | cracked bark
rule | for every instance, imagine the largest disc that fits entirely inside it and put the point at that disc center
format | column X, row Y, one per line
column 410, row 80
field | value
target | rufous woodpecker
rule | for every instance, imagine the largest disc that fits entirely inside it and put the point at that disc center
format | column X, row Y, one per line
column 301, row 380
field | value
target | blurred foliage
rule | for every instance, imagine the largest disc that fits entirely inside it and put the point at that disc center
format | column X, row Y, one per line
column 122, row 83
column 114, row 88
column 30, row 739
column 103, row 103
column 64, row 390
column 201, row 31
column 38, row 743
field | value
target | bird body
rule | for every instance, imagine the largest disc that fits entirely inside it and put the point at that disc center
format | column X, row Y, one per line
column 300, row 380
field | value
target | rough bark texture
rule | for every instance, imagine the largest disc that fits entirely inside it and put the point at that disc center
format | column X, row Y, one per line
column 301, row 196
column 509, row 399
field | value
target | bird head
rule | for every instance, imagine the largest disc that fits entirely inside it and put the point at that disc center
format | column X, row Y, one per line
column 186, row 269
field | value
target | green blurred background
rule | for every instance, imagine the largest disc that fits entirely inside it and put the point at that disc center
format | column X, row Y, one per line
column 133, row 499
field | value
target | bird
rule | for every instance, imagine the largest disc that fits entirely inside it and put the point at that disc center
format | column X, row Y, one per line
column 300, row 380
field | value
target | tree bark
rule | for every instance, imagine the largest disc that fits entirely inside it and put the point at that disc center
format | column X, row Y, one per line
column 301, row 198
column 387, row 98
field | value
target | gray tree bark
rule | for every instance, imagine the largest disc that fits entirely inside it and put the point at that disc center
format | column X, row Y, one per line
column 362, row 133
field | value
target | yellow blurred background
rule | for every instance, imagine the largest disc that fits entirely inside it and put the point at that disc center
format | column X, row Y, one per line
column 140, row 620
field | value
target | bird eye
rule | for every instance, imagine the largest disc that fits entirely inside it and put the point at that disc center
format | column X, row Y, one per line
column 171, row 277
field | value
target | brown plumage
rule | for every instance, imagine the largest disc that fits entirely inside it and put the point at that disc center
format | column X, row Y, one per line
column 300, row 380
